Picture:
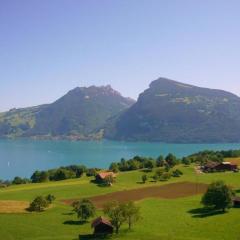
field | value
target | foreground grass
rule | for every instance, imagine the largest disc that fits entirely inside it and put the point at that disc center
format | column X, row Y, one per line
column 176, row 219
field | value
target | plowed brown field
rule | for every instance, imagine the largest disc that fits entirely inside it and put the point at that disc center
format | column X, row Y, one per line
column 168, row 191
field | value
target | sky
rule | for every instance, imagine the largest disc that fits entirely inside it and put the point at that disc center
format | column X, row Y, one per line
column 48, row 47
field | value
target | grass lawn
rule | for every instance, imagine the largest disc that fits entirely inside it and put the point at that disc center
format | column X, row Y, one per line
column 161, row 218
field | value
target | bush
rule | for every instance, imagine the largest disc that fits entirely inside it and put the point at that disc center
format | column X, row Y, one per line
column 144, row 178
column 177, row 173
column 38, row 204
column 165, row 176
column 218, row 196
column 84, row 209
column 91, row 172
column 50, row 198
column 19, row 180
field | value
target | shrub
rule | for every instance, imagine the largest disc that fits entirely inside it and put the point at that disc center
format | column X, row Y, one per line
column 38, row 204
column 84, row 209
column 91, row 172
column 218, row 196
column 177, row 173
column 165, row 176
column 144, row 178
column 50, row 198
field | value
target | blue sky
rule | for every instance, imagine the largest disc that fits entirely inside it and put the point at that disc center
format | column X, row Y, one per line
column 48, row 47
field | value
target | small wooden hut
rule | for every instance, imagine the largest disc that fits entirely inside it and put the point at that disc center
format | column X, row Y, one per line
column 102, row 226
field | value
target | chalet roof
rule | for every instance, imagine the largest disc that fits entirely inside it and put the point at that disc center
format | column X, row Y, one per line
column 103, row 175
column 101, row 220
column 211, row 164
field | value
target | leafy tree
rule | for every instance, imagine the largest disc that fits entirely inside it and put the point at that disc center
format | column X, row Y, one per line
column 177, row 173
column 115, row 211
column 165, row 176
column 131, row 213
column 160, row 161
column 84, row 209
column 186, row 161
column 19, row 180
column 91, row 172
column 144, row 178
column 50, row 198
column 40, row 176
column 114, row 167
column 171, row 160
column 38, row 204
column 62, row 174
column 150, row 164
column 218, row 195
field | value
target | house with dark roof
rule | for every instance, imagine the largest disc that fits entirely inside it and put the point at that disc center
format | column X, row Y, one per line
column 102, row 226
column 219, row 167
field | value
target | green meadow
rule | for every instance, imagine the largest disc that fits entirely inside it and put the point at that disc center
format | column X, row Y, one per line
column 161, row 218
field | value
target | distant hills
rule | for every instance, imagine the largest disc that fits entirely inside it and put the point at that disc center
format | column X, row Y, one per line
column 77, row 115
column 171, row 111
column 167, row 111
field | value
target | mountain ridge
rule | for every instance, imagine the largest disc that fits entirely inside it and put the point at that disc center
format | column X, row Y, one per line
column 167, row 111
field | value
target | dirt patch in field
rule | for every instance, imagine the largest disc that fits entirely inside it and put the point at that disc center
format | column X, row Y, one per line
column 13, row 206
column 168, row 191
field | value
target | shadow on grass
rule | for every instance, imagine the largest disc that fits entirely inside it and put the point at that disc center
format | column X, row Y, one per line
column 68, row 213
column 146, row 170
column 204, row 212
column 237, row 191
column 72, row 222
column 93, row 237
column 99, row 184
column 140, row 183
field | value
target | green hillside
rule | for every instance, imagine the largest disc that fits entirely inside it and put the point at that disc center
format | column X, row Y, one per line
column 79, row 114
column 171, row 111
column 161, row 218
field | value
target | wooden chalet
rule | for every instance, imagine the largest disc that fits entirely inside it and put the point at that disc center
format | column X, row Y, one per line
column 100, row 177
column 219, row 167
column 102, row 226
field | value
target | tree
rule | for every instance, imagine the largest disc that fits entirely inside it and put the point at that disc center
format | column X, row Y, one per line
column 38, row 176
column 218, row 195
column 165, row 176
column 91, row 172
column 131, row 212
column 186, row 161
column 38, row 204
column 115, row 211
column 19, row 180
column 160, row 161
column 144, row 178
column 171, row 160
column 150, row 164
column 177, row 173
column 62, row 174
column 114, row 167
column 84, row 209
column 50, row 198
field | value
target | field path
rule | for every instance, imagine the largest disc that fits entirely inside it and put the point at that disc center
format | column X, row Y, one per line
column 167, row 191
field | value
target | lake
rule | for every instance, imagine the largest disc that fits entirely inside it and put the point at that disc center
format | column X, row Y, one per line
column 22, row 157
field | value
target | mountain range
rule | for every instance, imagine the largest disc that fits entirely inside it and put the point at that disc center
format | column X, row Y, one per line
column 168, row 111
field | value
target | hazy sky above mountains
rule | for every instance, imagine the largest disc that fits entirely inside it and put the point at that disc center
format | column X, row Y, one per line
column 50, row 47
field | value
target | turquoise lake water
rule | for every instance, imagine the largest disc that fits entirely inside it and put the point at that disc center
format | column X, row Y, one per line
column 22, row 157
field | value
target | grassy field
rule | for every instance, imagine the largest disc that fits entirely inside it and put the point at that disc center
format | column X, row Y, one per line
column 161, row 218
